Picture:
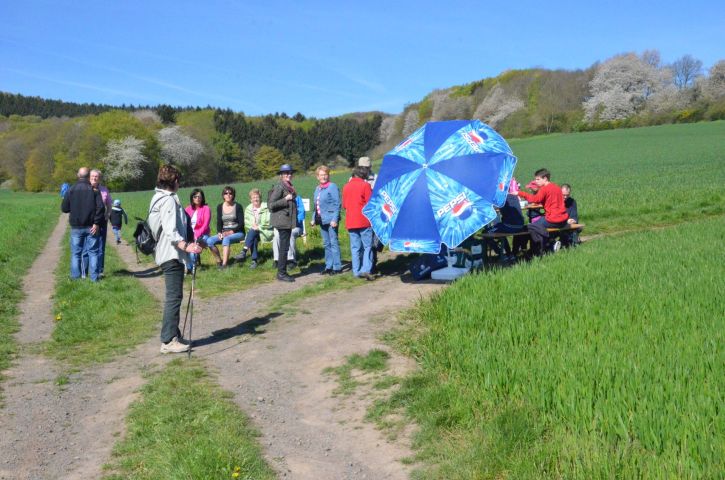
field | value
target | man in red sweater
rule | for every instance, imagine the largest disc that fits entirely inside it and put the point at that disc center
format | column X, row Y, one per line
column 550, row 196
column 355, row 196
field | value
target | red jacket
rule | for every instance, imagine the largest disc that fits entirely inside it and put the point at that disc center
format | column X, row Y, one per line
column 355, row 195
column 553, row 201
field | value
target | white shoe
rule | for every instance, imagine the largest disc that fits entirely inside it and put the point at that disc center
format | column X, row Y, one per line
column 557, row 246
column 174, row 346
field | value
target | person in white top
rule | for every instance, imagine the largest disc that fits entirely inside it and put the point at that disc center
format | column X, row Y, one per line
column 167, row 220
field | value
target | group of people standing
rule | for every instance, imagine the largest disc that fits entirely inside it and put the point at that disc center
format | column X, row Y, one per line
column 183, row 232
column 89, row 206
column 327, row 206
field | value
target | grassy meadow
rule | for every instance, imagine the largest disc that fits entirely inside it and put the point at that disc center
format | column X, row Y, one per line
column 605, row 361
column 185, row 426
column 634, row 178
column 26, row 221
column 95, row 322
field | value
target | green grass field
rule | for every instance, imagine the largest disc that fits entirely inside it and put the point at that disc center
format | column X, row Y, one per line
column 26, row 221
column 98, row 321
column 185, row 426
column 634, row 178
column 601, row 362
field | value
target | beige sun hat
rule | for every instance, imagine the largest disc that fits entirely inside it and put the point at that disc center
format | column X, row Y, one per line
column 363, row 162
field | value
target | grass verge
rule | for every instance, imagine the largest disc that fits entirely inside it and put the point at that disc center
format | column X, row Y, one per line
column 185, row 426
column 375, row 361
column 26, row 221
column 604, row 362
column 95, row 322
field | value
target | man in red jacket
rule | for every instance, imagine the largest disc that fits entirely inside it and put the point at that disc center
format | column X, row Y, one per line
column 355, row 195
column 555, row 216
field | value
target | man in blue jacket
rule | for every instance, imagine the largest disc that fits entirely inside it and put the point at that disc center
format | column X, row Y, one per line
column 86, row 215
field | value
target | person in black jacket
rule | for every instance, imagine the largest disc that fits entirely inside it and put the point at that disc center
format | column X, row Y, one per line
column 86, row 215
column 283, row 207
column 229, row 226
column 571, row 238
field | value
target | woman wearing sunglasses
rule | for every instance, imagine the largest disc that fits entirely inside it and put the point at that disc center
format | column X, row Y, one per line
column 229, row 225
column 200, row 215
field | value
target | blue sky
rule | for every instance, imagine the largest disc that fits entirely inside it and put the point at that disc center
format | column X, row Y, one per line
column 322, row 58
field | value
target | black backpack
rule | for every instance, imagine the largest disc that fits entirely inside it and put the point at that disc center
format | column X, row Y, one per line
column 144, row 236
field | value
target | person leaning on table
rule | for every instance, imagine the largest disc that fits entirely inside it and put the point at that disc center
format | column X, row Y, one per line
column 167, row 216
column 555, row 216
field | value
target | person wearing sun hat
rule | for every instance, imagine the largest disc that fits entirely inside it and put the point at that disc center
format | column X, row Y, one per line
column 283, row 207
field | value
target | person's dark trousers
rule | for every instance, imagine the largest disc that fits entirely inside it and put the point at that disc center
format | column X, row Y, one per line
column 502, row 228
column 102, row 249
column 252, row 242
column 539, row 234
column 174, row 278
column 284, row 238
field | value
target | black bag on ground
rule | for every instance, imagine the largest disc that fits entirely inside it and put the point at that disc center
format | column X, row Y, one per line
column 422, row 266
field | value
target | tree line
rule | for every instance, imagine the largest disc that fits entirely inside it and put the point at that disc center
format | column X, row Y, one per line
column 17, row 104
column 210, row 146
column 626, row 90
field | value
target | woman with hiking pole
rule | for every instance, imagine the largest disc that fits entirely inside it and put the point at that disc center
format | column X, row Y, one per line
column 168, row 218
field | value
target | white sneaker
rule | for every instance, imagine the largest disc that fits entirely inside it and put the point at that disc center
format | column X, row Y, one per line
column 557, row 246
column 174, row 346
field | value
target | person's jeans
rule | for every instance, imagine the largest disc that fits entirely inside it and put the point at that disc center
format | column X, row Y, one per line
column 284, row 241
column 252, row 242
column 226, row 241
column 83, row 243
column 102, row 247
column 361, row 243
column 174, row 279
column 117, row 234
column 102, row 232
column 192, row 256
column 292, row 250
column 332, row 247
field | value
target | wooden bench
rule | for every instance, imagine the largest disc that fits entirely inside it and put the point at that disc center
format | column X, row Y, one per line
column 572, row 227
column 491, row 237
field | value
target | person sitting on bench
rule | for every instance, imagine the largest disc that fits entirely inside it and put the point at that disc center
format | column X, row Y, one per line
column 512, row 221
column 570, row 238
column 555, row 216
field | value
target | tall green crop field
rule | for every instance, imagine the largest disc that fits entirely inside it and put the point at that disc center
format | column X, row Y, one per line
column 634, row 178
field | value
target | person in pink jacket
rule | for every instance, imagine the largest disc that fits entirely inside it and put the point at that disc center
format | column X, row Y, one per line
column 200, row 219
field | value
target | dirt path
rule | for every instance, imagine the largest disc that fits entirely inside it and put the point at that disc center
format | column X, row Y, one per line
column 52, row 431
column 272, row 362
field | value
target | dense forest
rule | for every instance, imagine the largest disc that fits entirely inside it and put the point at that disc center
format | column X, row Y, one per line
column 43, row 142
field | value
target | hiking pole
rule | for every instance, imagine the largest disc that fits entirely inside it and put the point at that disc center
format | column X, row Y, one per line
column 190, row 309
